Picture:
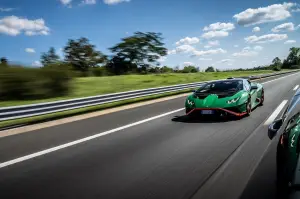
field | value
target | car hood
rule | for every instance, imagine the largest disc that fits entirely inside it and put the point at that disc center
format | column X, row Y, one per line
column 214, row 100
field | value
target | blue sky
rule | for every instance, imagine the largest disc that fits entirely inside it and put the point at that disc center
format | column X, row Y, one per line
column 28, row 28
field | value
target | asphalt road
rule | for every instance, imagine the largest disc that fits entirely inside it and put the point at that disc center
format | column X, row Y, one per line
column 134, row 157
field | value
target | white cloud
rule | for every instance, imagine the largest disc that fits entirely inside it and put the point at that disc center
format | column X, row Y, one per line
column 256, row 29
column 296, row 10
column 188, row 40
column 37, row 64
column 275, row 12
column 284, row 27
column 226, row 60
column 162, row 59
column 219, row 26
column 236, row 46
column 223, row 61
column 188, row 64
column 212, row 43
column 171, row 52
column 13, row 26
column 246, row 52
column 205, row 59
column 29, row 50
column 113, row 2
column 290, row 41
column 6, row 9
column 208, row 52
column 258, row 48
column 214, row 34
column 66, row 2
column 185, row 49
column 89, row 2
column 266, row 38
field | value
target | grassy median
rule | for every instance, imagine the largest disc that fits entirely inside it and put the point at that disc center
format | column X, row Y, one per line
column 90, row 86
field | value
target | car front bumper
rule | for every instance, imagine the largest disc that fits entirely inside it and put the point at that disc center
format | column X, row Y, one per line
column 216, row 111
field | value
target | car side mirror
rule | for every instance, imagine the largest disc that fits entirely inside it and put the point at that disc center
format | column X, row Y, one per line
column 254, row 87
column 274, row 127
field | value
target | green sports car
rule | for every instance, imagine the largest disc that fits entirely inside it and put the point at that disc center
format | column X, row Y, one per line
column 234, row 96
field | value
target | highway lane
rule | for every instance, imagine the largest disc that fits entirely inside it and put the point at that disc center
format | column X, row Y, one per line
column 157, row 159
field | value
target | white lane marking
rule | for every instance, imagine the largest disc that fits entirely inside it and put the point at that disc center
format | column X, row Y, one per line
column 280, row 78
column 296, row 87
column 276, row 112
column 40, row 153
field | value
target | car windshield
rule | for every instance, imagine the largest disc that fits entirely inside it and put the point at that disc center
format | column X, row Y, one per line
column 221, row 86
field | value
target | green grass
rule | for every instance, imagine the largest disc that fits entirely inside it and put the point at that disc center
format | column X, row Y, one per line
column 90, row 86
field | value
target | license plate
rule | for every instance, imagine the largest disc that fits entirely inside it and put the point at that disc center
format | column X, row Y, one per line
column 207, row 112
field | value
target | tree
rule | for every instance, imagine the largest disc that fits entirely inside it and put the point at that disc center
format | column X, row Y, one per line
column 293, row 58
column 276, row 61
column 276, row 64
column 141, row 49
column 82, row 55
column 50, row 57
column 210, row 69
column 166, row 69
column 4, row 61
column 190, row 69
column 119, row 66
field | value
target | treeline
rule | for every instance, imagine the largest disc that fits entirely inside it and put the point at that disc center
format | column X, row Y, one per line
column 136, row 54
column 292, row 61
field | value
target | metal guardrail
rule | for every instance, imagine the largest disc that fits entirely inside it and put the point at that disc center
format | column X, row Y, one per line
column 16, row 112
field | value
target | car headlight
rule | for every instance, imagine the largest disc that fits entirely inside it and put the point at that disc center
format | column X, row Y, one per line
column 233, row 100
column 191, row 103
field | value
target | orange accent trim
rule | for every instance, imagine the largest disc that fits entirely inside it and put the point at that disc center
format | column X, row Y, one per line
column 222, row 109
column 281, row 140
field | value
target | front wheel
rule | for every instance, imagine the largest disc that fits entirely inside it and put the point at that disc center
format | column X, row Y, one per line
column 248, row 107
column 262, row 98
column 188, row 110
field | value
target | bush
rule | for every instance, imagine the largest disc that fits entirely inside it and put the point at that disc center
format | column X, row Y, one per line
column 29, row 83
column 210, row 69
column 277, row 68
column 99, row 71
column 190, row 69
column 295, row 67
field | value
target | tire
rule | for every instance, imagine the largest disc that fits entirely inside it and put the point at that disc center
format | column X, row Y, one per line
column 262, row 98
column 248, row 107
column 187, row 110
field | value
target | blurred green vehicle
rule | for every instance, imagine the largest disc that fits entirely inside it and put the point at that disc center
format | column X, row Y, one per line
column 233, row 96
column 285, row 135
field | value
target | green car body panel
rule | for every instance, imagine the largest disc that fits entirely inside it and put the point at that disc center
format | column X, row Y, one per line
column 287, row 127
column 213, row 101
column 293, row 142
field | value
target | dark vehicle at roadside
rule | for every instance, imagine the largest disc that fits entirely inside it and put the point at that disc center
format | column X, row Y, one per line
column 285, row 132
